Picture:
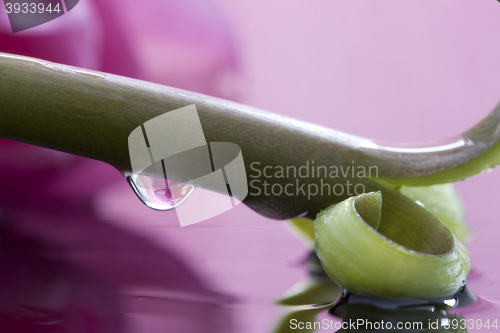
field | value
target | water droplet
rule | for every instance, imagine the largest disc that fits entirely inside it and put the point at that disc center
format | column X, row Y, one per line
column 160, row 193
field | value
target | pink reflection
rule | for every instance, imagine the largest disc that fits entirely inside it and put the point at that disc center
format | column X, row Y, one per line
column 65, row 270
column 39, row 293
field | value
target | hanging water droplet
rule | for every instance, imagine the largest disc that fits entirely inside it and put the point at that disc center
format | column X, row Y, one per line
column 159, row 193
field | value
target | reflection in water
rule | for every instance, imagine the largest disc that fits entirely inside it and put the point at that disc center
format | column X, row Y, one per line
column 366, row 317
column 319, row 294
column 358, row 317
column 114, row 291
column 319, row 288
column 39, row 294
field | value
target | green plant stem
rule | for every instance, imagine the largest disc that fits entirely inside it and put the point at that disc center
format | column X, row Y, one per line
column 91, row 114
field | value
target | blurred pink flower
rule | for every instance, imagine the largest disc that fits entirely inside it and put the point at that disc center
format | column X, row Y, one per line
column 186, row 44
column 63, row 267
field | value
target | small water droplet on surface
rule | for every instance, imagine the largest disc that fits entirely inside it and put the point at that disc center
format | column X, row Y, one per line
column 159, row 193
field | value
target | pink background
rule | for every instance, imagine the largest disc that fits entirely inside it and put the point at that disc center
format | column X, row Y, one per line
column 396, row 71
